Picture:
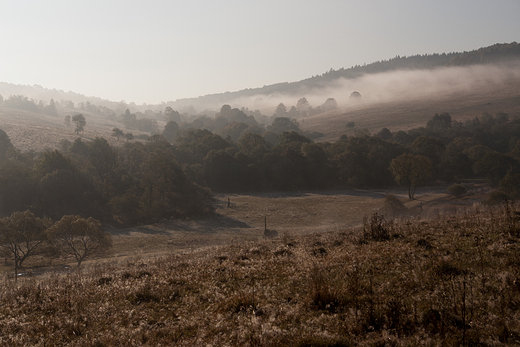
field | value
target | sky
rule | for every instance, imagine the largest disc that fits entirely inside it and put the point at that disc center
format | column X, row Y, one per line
column 157, row 51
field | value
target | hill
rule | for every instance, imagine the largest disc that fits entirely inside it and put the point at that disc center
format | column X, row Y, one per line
column 260, row 97
column 451, row 280
column 405, row 112
column 496, row 54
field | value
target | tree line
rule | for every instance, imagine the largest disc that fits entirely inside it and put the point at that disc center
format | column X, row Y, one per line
column 172, row 175
column 487, row 147
column 127, row 185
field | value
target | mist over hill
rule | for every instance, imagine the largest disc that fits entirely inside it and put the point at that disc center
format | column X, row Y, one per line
column 341, row 83
column 337, row 84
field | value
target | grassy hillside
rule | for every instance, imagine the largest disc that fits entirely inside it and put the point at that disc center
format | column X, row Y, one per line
column 451, row 280
column 35, row 131
column 412, row 113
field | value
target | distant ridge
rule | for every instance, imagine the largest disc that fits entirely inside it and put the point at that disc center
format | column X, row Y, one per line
column 497, row 53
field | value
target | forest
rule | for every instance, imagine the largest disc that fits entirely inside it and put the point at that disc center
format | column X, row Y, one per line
column 174, row 173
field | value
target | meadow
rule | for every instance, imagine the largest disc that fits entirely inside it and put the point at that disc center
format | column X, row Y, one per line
column 447, row 280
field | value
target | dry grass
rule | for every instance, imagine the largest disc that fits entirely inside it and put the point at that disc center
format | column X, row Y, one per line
column 327, row 289
column 452, row 280
column 288, row 213
column 31, row 131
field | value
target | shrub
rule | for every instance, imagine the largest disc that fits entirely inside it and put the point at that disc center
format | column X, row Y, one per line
column 394, row 206
column 323, row 296
column 457, row 190
column 318, row 341
column 377, row 229
column 497, row 197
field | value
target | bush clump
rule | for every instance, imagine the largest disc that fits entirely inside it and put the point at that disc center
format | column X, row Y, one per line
column 457, row 190
column 496, row 198
column 393, row 206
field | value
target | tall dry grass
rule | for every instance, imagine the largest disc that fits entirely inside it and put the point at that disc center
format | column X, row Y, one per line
column 451, row 280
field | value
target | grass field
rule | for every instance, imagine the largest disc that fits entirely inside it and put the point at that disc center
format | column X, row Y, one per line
column 447, row 281
column 288, row 213
column 35, row 132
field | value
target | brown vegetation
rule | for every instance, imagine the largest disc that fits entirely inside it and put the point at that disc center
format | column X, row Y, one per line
column 451, row 280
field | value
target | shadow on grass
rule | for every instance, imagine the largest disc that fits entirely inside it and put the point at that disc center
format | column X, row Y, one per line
column 209, row 225
column 222, row 198
column 144, row 229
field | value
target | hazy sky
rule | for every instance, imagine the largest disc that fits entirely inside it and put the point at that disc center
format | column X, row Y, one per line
column 152, row 51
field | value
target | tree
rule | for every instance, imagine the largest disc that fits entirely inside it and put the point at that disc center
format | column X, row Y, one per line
column 129, row 136
column 170, row 115
column 281, row 124
column 411, row 170
column 495, row 166
column 66, row 120
column 63, row 189
column 51, row 109
column 303, row 106
column 117, row 133
column 329, row 104
column 439, row 122
column 5, row 144
column 80, row 122
column 281, row 110
column 171, row 131
column 385, row 134
column 22, row 235
column 253, row 145
column 103, row 160
column 234, row 130
column 80, row 238
column 430, row 147
column 17, row 187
